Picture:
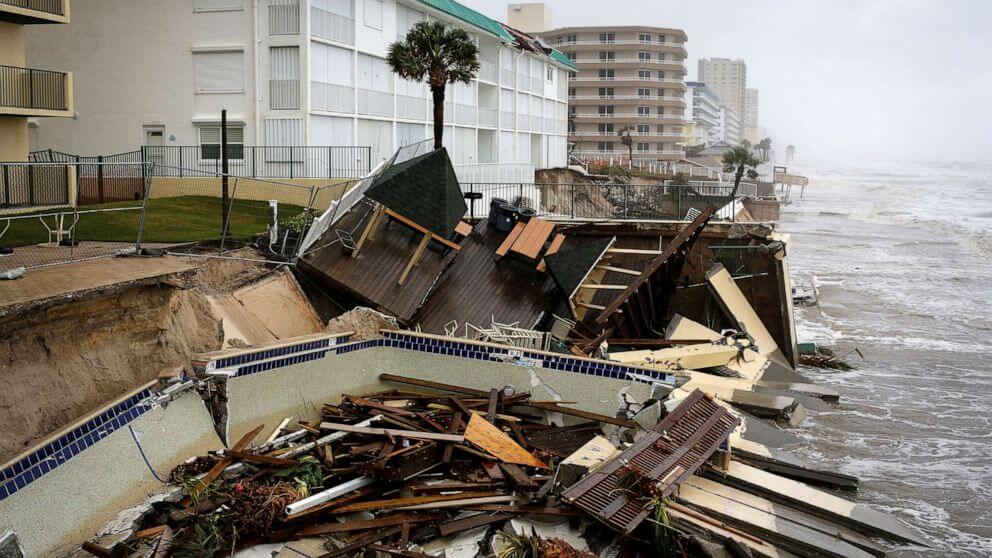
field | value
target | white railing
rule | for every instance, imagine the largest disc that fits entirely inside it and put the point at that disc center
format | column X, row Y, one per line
column 331, row 26
column 331, row 98
column 624, row 98
column 671, row 135
column 535, row 123
column 615, row 153
column 679, row 63
column 487, row 117
column 631, row 78
column 629, row 115
column 507, row 77
column 507, row 119
column 284, row 94
column 523, row 122
column 376, row 103
column 413, row 108
column 465, row 114
column 537, row 85
column 487, row 72
column 623, row 42
column 284, row 17
column 496, row 172
column 549, row 125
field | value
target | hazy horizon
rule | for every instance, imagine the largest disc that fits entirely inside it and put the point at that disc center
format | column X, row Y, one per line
column 852, row 81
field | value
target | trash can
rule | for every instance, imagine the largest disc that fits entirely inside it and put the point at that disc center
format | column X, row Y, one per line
column 506, row 217
column 525, row 213
column 494, row 209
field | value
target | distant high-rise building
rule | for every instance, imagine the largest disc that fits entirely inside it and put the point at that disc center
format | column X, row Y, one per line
column 750, row 118
column 533, row 17
column 703, row 106
column 728, row 78
column 629, row 78
column 730, row 126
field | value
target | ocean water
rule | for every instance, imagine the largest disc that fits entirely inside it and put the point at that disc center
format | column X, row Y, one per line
column 901, row 257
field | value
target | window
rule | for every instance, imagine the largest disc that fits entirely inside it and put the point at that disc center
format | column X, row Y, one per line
column 643, row 92
column 610, row 55
column 661, row 38
column 605, row 109
column 373, row 13
column 606, row 74
column 606, row 128
column 661, row 92
column 550, row 72
column 644, row 56
column 661, row 75
column 606, row 92
column 219, row 72
column 570, row 38
column 644, row 74
column 661, row 110
column 644, row 37
column 605, row 146
column 660, row 129
column 217, row 5
column 571, row 91
column 644, row 111
column 643, row 146
column 558, row 40
column 571, row 55
column 643, row 129
column 210, row 142
column 607, row 37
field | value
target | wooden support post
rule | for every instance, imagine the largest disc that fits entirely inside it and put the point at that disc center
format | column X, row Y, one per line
column 373, row 221
column 416, row 257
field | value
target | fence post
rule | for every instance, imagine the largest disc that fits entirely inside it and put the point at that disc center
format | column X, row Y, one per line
column 330, row 155
column 573, row 200
column 254, row 161
column 626, row 200
column 141, row 217
column 6, row 185
column 31, row 88
column 180, row 161
column 31, row 184
column 99, row 178
column 144, row 157
column 292, row 163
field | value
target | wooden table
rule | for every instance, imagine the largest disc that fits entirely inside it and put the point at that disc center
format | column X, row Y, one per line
column 532, row 239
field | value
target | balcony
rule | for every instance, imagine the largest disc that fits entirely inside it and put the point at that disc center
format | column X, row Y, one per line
column 29, row 12
column 628, row 79
column 331, row 26
column 601, row 44
column 655, row 101
column 677, row 119
column 30, row 92
column 617, row 154
column 670, row 136
column 284, row 94
column 640, row 62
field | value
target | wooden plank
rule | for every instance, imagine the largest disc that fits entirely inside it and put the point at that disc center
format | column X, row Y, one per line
column 510, row 239
column 463, row 228
column 618, row 270
column 459, row 525
column 415, row 258
column 584, row 414
column 260, row 459
column 482, row 394
column 556, row 243
column 493, row 440
column 603, row 287
column 411, row 501
column 390, row 432
column 393, row 215
column 222, row 464
column 360, row 525
column 531, row 244
column 373, row 537
column 633, row 251
column 373, row 221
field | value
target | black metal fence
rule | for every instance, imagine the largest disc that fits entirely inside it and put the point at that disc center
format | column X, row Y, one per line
column 47, row 6
column 34, row 185
column 603, row 201
column 32, row 89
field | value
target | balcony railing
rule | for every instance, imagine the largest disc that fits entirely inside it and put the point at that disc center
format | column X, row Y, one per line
column 617, row 153
column 624, row 98
column 630, row 115
column 487, row 71
column 644, row 61
column 331, row 26
column 54, row 7
column 284, row 17
column 670, row 135
column 623, row 42
column 28, row 88
column 630, row 78
column 376, row 103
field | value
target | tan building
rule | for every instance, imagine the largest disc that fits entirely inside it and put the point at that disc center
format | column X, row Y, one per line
column 533, row 17
column 750, row 120
column 728, row 78
column 28, row 92
column 629, row 77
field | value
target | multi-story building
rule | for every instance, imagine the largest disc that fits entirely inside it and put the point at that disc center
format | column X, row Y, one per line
column 27, row 92
column 750, row 119
column 298, row 72
column 629, row 78
column 727, row 77
column 703, row 107
column 530, row 17
column 730, row 126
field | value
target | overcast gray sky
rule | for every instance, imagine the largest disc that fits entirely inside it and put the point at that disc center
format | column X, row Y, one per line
column 840, row 79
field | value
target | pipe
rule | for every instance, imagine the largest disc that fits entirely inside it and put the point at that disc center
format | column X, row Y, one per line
column 258, row 100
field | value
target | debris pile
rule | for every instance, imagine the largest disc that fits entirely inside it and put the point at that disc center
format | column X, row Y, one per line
column 405, row 471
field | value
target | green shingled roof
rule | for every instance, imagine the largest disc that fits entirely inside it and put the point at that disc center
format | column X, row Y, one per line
column 469, row 15
column 559, row 56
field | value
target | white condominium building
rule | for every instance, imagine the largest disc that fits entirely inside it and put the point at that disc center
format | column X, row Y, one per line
column 750, row 117
column 730, row 126
column 703, row 106
column 727, row 77
column 296, row 73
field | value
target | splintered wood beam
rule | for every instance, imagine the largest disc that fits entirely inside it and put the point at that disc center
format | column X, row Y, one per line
column 603, row 287
column 618, row 270
column 634, row 251
column 416, row 257
column 590, row 306
column 367, row 233
column 420, row 228
column 679, row 245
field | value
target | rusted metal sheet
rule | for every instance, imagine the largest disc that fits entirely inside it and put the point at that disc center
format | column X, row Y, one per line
column 665, row 457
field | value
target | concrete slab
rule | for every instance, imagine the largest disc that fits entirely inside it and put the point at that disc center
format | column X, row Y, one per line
column 74, row 280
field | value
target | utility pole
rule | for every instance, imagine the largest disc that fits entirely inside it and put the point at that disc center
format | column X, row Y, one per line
column 225, row 198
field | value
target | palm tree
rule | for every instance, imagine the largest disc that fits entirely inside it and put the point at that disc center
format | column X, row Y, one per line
column 790, row 152
column 441, row 53
column 737, row 160
column 765, row 146
column 625, row 139
column 746, row 144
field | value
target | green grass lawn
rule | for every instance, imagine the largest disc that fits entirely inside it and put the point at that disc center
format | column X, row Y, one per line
column 179, row 219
